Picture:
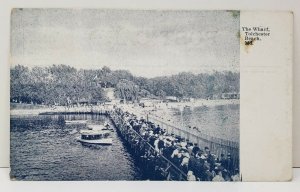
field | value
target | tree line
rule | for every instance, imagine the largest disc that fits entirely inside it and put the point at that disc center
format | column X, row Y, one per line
column 63, row 85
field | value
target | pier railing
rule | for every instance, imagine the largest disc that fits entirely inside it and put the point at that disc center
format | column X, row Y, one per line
column 76, row 111
column 216, row 145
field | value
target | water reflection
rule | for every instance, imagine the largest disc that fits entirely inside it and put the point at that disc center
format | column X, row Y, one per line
column 43, row 149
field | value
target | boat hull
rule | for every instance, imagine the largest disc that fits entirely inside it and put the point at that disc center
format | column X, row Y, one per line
column 105, row 141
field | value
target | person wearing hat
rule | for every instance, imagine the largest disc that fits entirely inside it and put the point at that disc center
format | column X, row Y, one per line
column 209, row 156
column 218, row 177
column 192, row 163
column 156, row 143
column 196, row 149
column 157, row 130
column 178, row 159
column 206, row 150
column 189, row 147
column 230, row 164
column 183, row 144
column 197, row 165
column 161, row 144
column 227, row 163
column 226, row 175
column 152, row 140
column 143, row 129
column 176, row 151
column 168, row 150
column 236, row 176
column 185, row 161
column 191, row 176
column 223, row 160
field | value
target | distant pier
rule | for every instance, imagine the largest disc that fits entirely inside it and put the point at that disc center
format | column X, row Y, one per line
column 96, row 112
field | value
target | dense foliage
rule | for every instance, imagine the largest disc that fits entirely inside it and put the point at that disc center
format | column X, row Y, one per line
column 62, row 85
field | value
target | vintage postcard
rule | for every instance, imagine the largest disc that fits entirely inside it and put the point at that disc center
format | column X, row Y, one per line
column 108, row 94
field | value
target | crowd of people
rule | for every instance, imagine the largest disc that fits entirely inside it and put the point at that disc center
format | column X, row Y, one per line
column 197, row 162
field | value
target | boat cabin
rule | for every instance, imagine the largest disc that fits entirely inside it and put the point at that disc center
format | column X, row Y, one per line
column 94, row 135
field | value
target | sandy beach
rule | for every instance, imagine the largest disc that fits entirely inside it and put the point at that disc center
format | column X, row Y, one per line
column 162, row 110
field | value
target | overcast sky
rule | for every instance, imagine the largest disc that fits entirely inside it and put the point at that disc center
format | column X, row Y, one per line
column 147, row 43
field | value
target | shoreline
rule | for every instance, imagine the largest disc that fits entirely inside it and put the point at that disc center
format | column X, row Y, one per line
column 161, row 113
column 158, row 107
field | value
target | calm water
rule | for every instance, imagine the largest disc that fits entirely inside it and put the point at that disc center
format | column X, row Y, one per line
column 222, row 121
column 42, row 149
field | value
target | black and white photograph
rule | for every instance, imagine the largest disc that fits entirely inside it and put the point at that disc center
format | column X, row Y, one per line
column 130, row 95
